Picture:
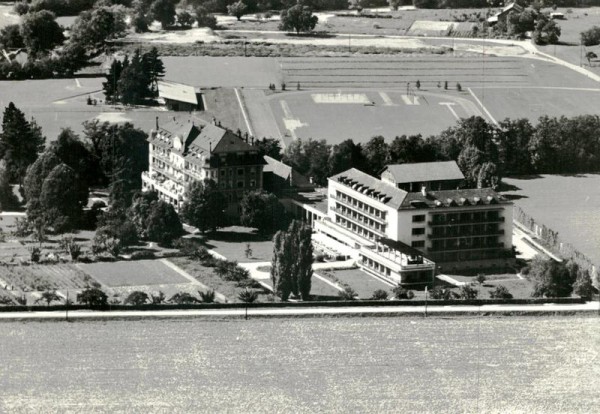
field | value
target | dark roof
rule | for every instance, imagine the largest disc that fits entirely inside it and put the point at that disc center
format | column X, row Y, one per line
column 425, row 171
column 364, row 183
column 285, row 172
column 399, row 246
column 453, row 198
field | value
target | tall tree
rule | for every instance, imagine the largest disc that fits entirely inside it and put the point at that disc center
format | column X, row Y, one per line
column 281, row 265
column 346, row 155
column 269, row 146
column 41, row 33
column 163, row 224
column 133, row 86
column 37, row 173
column 205, row 206
column 300, row 235
column 550, row 279
column 163, row 11
column 376, row 151
column 237, row 9
column 8, row 199
column 262, row 211
column 112, row 78
column 140, row 209
column 298, row 18
column 20, row 142
column 93, row 28
column 154, row 67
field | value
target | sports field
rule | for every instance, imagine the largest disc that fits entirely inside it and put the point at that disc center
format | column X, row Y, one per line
column 341, row 365
column 567, row 204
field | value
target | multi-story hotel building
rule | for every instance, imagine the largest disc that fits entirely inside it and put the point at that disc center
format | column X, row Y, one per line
column 403, row 235
column 182, row 152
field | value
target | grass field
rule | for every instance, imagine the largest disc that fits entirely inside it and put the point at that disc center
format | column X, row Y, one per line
column 362, row 283
column 567, row 204
column 471, row 365
column 135, row 273
column 231, row 242
column 43, row 277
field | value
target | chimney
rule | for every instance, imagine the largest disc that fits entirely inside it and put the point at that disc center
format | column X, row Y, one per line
column 157, row 123
column 252, row 140
column 210, row 147
column 424, row 191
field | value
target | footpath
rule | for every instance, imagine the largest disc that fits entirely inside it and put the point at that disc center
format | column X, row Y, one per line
column 591, row 308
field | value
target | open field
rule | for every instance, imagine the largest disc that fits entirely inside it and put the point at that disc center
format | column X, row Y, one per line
column 484, row 365
column 567, row 204
column 135, row 273
column 231, row 242
column 362, row 283
column 43, row 277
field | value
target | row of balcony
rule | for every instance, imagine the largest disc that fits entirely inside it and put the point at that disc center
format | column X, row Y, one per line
column 469, row 221
column 498, row 232
column 463, row 248
column 347, row 203
column 359, row 220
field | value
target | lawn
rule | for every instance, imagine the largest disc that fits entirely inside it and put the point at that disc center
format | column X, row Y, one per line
column 362, row 283
column 520, row 288
column 568, row 204
column 134, row 273
column 232, row 242
column 208, row 277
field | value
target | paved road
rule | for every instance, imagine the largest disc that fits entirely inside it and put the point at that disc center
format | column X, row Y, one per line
column 589, row 307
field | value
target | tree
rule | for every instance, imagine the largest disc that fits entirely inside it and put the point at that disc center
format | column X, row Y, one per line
column 376, row 152
column 140, row 209
column 591, row 37
column 550, row 279
column 154, row 68
column 346, row 155
column 237, row 9
column 69, row 148
column 8, row 199
column 10, row 37
column 379, row 294
column 112, row 77
column 501, row 292
column 589, row 56
column 135, row 81
column 40, row 33
column 394, row 4
column 163, row 224
column 185, row 19
column 513, row 139
column 93, row 297
column 347, row 293
column 583, row 284
column 61, row 199
column 183, row 298
column 467, row 291
column 487, row 176
column 402, row 293
column 269, row 146
column 281, row 265
column 137, row 298
column 93, row 28
column 205, row 19
column 20, row 142
column 262, row 211
column 163, row 11
column 298, row 18
column 300, row 235
column 49, row 296
column 204, row 207
column 547, row 31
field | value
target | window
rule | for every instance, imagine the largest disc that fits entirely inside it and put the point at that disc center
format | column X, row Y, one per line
column 418, row 231
column 240, row 171
column 420, row 243
column 222, row 173
column 252, row 183
column 240, row 184
column 418, row 219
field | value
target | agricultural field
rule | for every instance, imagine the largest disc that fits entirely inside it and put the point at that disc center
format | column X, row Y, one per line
column 513, row 364
column 569, row 204
column 43, row 277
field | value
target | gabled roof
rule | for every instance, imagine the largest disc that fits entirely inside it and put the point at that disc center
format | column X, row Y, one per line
column 285, row 172
column 372, row 187
column 425, row 171
column 177, row 92
column 454, row 198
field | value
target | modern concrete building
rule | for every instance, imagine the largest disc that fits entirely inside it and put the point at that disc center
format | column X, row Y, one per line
column 404, row 235
column 181, row 152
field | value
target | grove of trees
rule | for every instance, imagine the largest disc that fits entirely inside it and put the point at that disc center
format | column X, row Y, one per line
column 204, row 207
column 298, row 18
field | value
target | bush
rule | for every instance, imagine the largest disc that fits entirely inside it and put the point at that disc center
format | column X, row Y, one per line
column 142, row 255
column 207, row 297
column 379, row 294
column 591, row 37
column 183, row 298
column 583, row 285
column 93, row 297
column 137, row 298
column 402, row 293
column 468, row 292
column 35, row 254
column 248, row 296
column 158, row 299
column 443, row 293
column 348, row 294
column 21, row 8
column 501, row 292
column 6, row 300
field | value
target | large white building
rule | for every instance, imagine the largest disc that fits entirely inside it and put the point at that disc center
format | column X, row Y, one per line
column 404, row 236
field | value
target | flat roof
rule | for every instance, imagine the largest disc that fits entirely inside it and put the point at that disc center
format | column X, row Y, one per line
column 425, row 171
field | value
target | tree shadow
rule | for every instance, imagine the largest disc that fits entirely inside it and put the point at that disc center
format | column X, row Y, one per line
column 526, row 177
column 512, row 197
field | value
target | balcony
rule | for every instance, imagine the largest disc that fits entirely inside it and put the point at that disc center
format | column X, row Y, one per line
column 360, row 210
column 499, row 232
column 167, row 174
column 359, row 221
column 163, row 158
column 485, row 220
column 461, row 249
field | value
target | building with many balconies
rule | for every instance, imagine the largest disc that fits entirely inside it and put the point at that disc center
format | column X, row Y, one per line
column 404, row 235
column 182, row 152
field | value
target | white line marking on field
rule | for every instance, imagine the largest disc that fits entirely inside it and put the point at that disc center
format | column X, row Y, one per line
column 449, row 106
column 483, row 107
column 291, row 123
column 77, row 82
column 387, row 101
column 237, row 94
column 408, row 100
column 286, row 109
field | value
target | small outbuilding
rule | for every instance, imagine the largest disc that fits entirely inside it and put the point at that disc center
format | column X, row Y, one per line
column 178, row 97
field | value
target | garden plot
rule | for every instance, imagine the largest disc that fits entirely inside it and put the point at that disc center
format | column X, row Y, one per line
column 134, row 273
column 43, row 277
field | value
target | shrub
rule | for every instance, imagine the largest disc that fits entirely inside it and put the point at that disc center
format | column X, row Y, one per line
column 70, row 247
column 248, row 296
column 379, row 294
column 402, row 293
column 6, row 300
column 21, row 8
column 468, row 292
column 591, row 37
column 501, row 292
column 142, row 254
column 207, row 297
column 182, row 298
column 583, row 285
column 48, row 296
column 137, row 298
column 158, row 299
column 348, row 294
column 93, row 297
column 35, row 254
column 481, row 278
column 443, row 293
